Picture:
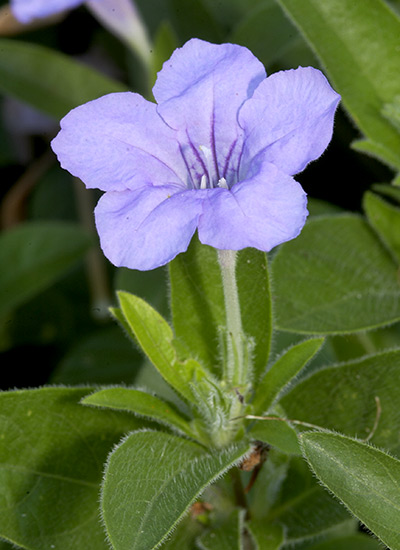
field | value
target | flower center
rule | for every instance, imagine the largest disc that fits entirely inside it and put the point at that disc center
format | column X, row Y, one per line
column 221, row 183
column 209, row 179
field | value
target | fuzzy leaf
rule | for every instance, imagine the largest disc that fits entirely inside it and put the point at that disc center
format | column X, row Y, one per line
column 151, row 480
column 342, row 398
column 385, row 219
column 286, row 493
column 140, row 403
column 283, row 371
column 392, row 191
column 374, row 149
column 300, row 499
column 255, row 305
column 197, row 302
column 364, row 71
column 51, row 464
column 156, row 338
column 364, row 478
column 344, row 280
column 277, row 433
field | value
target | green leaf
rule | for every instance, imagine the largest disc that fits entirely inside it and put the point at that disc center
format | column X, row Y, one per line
column 33, row 255
column 364, row 478
column 197, row 302
column 156, row 338
column 265, row 31
column 227, row 535
column 149, row 285
column 364, row 71
column 104, row 357
column 385, row 219
column 51, row 464
column 198, row 307
column 266, row 490
column 194, row 18
column 152, row 332
column 266, row 537
column 319, row 207
column 184, row 535
column 374, row 149
column 152, row 381
column 299, row 499
column 286, row 493
column 48, row 80
column 164, row 43
column 392, row 191
column 252, row 275
column 391, row 111
column 335, row 278
column 351, row 542
column 342, row 398
column 277, row 433
column 142, row 404
column 151, row 480
column 282, row 372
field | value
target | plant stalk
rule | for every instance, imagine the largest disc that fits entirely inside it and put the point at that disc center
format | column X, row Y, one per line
column 236, row 364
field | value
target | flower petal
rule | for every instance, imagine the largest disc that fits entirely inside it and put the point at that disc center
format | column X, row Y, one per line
column 199, row 91
column 28, row 10
column 290, row 118
column 146, row 228
column 122, row 18
column 262, row 212
column 119, row 142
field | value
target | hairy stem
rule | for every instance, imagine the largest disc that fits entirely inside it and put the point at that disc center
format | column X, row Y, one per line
column 235, row 365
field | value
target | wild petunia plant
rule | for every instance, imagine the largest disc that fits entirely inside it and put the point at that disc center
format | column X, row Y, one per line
column 216, row 153
column 241, row 433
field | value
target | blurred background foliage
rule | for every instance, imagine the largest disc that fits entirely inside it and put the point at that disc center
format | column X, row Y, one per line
column 55, row 285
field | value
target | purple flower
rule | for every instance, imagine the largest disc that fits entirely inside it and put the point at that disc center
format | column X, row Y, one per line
column 27, row 10
column 120, row 17
column 216, row 153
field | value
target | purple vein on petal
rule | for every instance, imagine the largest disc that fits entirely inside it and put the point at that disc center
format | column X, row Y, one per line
column 152, row 155
column 228, row 159
column 190, row 182
column 196, row 154
column 212, row 139
column 151, row 213
column 239, row 161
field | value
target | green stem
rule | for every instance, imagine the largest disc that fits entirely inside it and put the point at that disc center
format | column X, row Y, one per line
column 236, row 368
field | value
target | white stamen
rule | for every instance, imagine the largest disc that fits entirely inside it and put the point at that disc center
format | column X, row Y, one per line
column 203, row 182
column 223, row 184
column 207, row 154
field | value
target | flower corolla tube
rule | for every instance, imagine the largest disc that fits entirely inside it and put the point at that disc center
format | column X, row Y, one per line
column 216, row 153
